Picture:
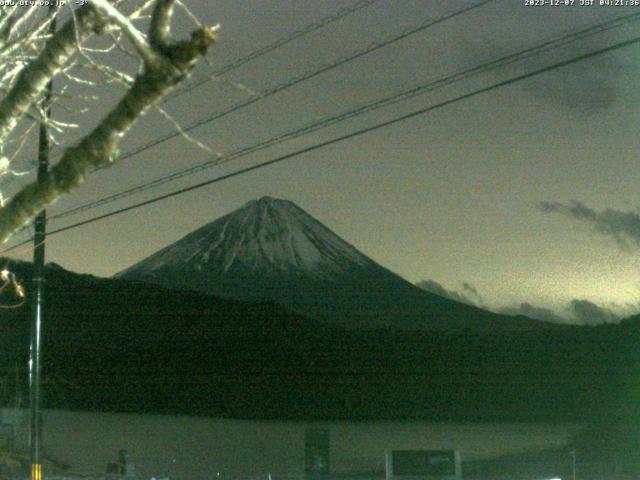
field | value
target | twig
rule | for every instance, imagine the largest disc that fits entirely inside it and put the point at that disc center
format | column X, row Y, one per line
column 170, row 65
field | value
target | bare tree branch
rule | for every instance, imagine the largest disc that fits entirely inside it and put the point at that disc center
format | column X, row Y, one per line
column 168, row 67
column 136, row 37
column 160, row 30
column 33, row 79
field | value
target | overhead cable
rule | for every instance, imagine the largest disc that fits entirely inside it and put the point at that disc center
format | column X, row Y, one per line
column 357, row 133
column 366, row 108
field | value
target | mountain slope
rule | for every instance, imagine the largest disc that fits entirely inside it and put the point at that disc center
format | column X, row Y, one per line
column 272, row 250
column 113, row 345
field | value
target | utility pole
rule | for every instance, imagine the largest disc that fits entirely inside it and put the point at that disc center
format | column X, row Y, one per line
column 37, row 286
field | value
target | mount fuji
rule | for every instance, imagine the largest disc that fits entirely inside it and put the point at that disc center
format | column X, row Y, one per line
column 272, row 250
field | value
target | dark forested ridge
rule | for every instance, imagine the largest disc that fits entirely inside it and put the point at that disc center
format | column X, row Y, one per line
column 271, row 249
column 113, row 345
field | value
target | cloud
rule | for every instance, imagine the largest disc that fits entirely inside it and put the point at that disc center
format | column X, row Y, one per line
column 582, row 89
column 434, row 287
column 582, row 312
column 623, row 227
column 538, row 313
column 588, row 313
column 473, row 292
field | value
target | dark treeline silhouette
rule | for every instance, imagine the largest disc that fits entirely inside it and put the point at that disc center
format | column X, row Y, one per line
column 113, row 345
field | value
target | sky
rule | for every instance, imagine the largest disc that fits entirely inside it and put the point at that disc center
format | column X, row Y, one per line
column 522, row 199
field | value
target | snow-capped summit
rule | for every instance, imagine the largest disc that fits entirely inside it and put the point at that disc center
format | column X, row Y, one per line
column 272, row 250
column 268, row 235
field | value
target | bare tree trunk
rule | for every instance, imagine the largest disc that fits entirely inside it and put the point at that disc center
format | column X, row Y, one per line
column 165, row 66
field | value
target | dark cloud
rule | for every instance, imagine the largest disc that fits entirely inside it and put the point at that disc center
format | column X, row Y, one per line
column 588, row 313
column 538, row 313
column 436, row 288
column 472, row 292
column 584, row 89
column 623, row 227
column 583, row 312
column 581, row 89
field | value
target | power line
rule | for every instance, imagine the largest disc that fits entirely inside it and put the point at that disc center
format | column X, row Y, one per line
column 371, row 106
column 268, row 48
column 265, row 49
column 303, row 78
column 351, row 135
column 340, row 61
column 307, row 29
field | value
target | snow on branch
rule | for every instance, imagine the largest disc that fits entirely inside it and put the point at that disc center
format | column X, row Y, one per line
column 165, row 67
